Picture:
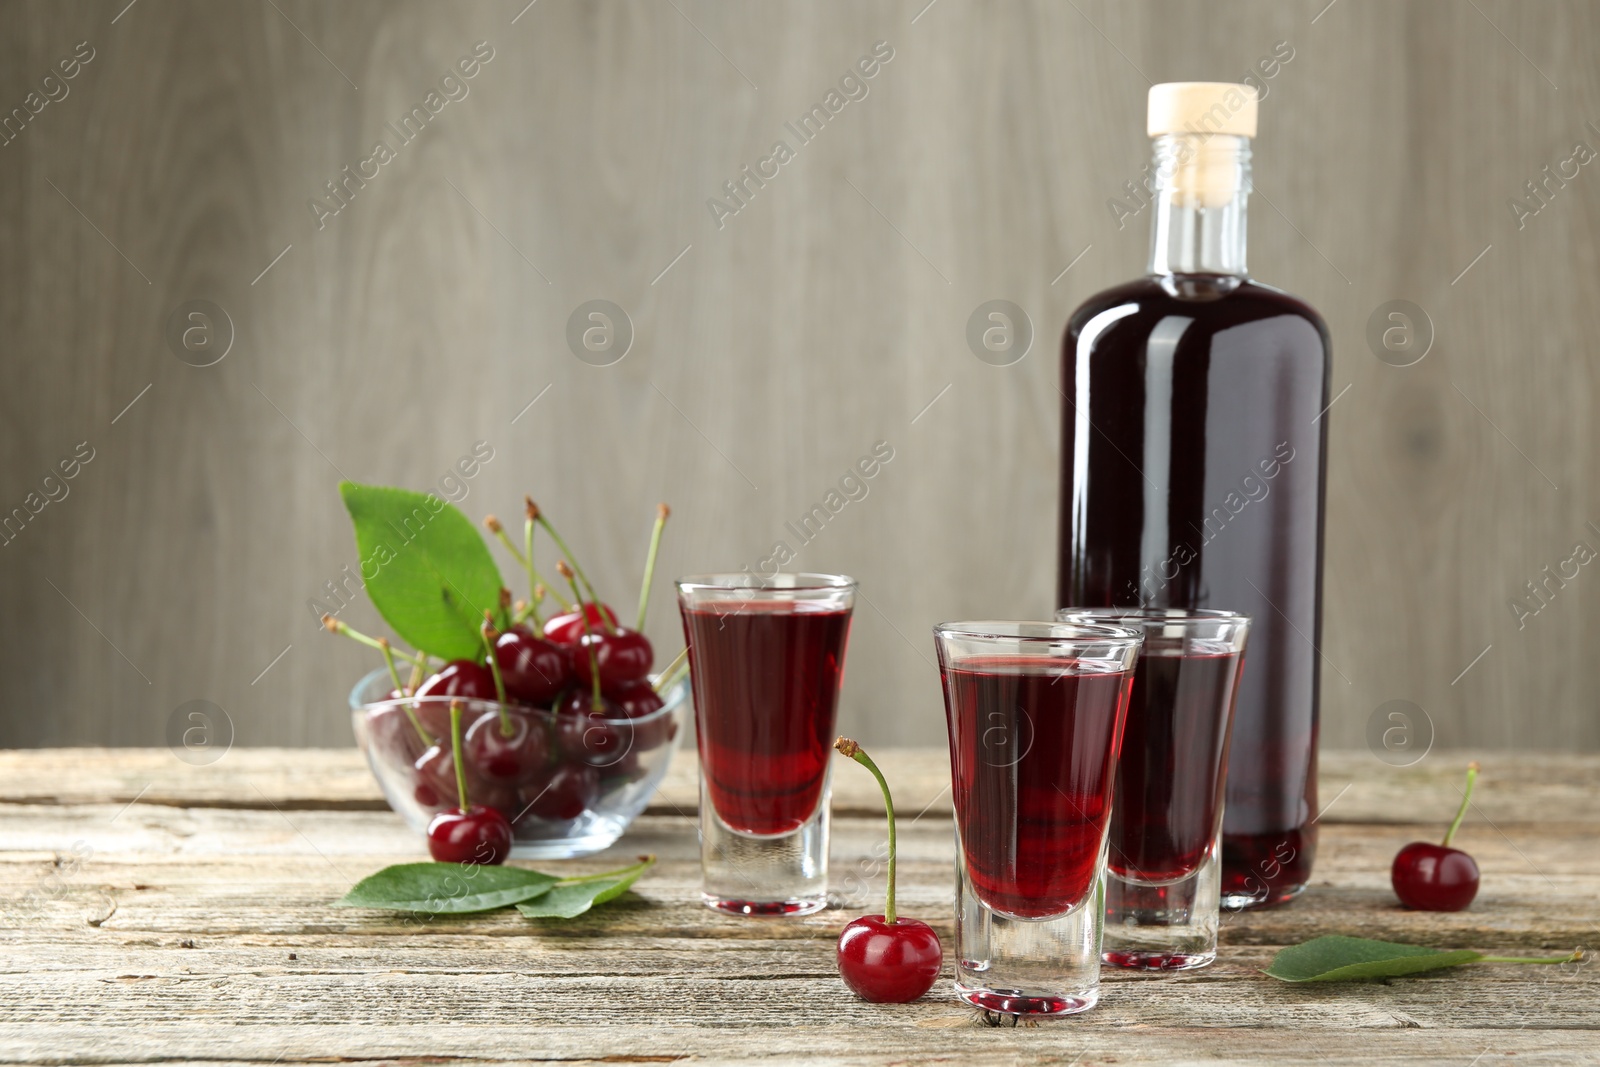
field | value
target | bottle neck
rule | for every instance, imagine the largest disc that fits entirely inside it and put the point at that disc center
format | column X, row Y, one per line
column 1202, row 182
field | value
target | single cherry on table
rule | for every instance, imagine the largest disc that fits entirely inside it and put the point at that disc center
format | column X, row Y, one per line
column 1429, row 877
column 884, row 958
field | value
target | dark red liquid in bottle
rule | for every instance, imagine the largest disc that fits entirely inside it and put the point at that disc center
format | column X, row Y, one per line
column 1173, row 766
column 1193, row 445
column 766, row 693
column 1033, row 751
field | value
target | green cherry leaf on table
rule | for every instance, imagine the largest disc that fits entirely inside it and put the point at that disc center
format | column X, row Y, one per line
column 446, row 888
column 574, row 896
column 1335, row 958
column 432, row 575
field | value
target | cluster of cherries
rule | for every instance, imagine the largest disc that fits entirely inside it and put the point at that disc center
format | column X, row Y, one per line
column 552, row 717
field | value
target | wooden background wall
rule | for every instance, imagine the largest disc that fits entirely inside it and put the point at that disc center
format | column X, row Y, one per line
column 770, row 353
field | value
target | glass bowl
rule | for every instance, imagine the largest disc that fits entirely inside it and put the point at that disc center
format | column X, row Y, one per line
column 593, row 778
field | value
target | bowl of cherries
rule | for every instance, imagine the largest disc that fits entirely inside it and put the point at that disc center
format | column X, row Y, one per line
column 549, row 740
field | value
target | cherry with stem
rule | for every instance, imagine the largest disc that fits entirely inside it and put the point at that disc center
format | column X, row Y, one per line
column 662, row 511
column 884, row 958
column 597, row 702
column 469, row 833
column 1429, row 877
column 487, row 632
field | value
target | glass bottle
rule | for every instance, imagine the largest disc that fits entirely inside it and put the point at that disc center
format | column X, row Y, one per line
column 1194, row 437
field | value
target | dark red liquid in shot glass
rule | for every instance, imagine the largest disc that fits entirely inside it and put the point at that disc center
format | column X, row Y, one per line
column 1173, row 769
column 766, row 690
column 1033, row 750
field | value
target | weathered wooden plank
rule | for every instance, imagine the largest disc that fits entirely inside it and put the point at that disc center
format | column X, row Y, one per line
column 194, row 929
column 1514, row 786
column 948, row 1039
column 223, row 872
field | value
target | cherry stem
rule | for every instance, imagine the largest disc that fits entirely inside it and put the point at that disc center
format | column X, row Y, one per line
column 533, row 576
column 335, row 626
column 596, row 704
column 500, row 532
column 538, row 516
column 416, row 676
column 668, row 676
column 1577, row 954
column 849, row 748
column 388, row 661
column 532, row 511
column 644, row 863
column 1466, row 800
column 506, row 729
column 662, row 511
column 455, row 754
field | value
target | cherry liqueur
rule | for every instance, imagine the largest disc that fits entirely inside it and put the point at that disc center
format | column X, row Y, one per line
column 1194, row 439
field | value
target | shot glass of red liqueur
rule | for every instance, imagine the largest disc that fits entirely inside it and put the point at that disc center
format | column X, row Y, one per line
column 767, row 658
column 1035, row 712
column 1163, row 861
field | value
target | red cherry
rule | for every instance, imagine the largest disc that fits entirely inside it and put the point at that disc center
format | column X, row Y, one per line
column 885, row 958
column 594, row 733
column 534, row 670
column 565, row 629
column 1430, row 877
column 506, row 749
column 390, row 733
column 889, row 963
column 562, row 792
column 477, row 835
column 460, row 678
column 638, row 701
column 621, row 657
column 436, row 771
column 434, row 715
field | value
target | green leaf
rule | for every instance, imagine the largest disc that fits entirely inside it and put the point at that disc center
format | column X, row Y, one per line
column 578, row 895
column 1334, row 958
column 446, row 888
column 432, row 576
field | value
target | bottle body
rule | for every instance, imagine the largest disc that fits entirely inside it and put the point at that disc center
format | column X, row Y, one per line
column 1193, row 468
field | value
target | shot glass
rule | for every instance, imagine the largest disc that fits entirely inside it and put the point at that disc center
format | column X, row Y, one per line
column 767, row 659
column 1035, row 711
column 1163, row 884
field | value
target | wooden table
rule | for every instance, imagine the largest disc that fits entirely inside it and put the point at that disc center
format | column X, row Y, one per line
column 154, row 911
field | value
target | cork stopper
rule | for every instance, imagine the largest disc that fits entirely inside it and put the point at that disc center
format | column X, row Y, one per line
column 1202, row 108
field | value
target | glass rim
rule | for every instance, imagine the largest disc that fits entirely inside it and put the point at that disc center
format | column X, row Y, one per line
column 1039, row 632
column 1186, row 617
column 745, row 582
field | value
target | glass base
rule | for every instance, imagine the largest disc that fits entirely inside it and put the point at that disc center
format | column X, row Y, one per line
column 765, row 908
column 1247, row 901
column 763, row 875
column 1015, row 1002
column 1170, row 925
column 1159, row 961
column 1035, row 967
